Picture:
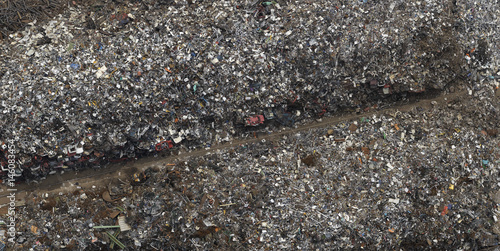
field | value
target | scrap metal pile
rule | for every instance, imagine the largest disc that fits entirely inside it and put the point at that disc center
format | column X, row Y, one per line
column 116, row 80
column 423, row 179
column 111, row 81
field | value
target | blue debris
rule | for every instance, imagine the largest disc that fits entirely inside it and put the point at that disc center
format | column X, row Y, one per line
column 75, row 66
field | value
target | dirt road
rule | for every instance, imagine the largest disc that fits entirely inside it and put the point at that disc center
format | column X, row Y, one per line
column 71, row 180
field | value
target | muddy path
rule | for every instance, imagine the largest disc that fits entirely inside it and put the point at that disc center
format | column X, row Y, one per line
column 72, row 180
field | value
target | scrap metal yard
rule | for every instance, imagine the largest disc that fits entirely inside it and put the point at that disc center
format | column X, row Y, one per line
column 223, row 125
